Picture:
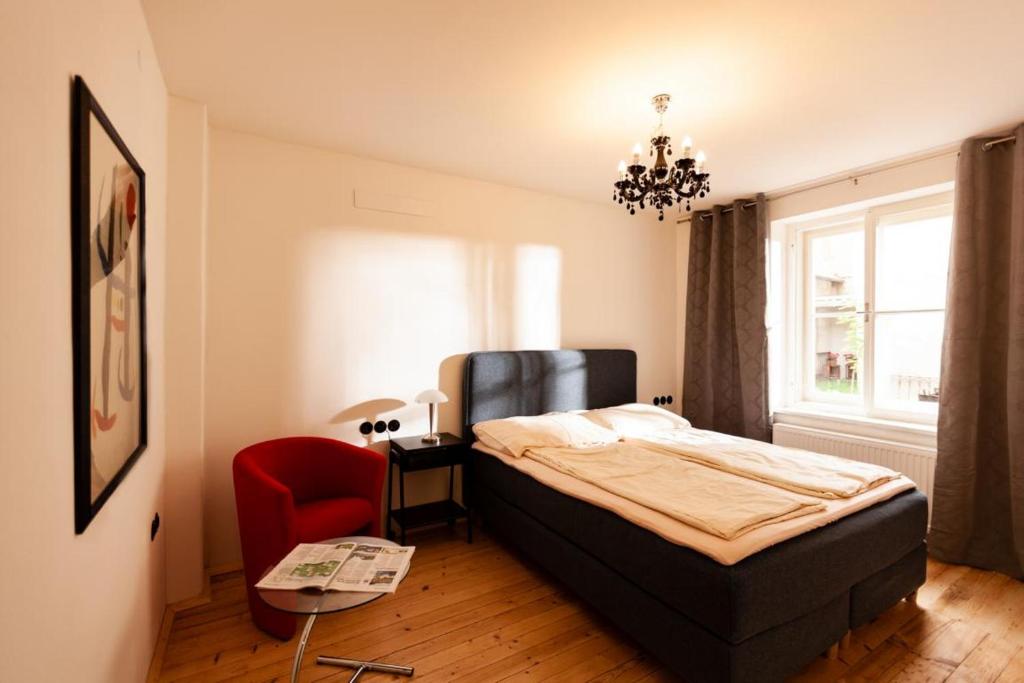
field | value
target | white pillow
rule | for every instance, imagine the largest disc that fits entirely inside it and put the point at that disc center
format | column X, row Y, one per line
column 517, row 434
column 636, row 420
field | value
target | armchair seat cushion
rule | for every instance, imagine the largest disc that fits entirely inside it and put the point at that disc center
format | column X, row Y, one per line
column 319, row 520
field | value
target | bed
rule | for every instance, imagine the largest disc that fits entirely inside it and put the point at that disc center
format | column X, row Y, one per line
column 761, row 619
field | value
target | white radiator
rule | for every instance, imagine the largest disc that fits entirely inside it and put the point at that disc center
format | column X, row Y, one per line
column 917, row 462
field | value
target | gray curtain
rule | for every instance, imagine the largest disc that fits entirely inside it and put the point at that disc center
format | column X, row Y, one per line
column 725, row 380
column 978, row 510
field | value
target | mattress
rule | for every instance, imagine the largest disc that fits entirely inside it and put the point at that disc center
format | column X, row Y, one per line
column 733, row 601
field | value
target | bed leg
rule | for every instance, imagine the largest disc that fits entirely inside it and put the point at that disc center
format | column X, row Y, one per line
column 845, row 642
column 833, row 652
column 912, row 597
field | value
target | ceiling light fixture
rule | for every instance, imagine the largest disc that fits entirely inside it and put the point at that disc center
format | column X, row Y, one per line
column 662, row 185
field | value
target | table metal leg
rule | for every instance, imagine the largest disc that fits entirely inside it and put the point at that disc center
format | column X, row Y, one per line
column 297, row 664
column 361, row 666
column 357, row 664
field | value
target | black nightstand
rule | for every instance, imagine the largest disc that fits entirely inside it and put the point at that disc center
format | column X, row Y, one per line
column 411, row 454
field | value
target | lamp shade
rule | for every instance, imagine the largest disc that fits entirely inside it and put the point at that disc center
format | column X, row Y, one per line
column 432, row 396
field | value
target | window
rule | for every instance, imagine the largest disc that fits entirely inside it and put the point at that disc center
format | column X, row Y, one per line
column 871, row 307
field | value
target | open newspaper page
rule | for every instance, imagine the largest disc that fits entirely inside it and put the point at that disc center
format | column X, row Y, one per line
column 373, row 569
column 308, row 565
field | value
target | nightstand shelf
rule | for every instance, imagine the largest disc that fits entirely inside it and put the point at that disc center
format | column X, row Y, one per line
column 426, row 514
column 412, row 454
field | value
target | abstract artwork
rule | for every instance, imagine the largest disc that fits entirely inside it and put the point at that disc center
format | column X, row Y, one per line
column 108, row 218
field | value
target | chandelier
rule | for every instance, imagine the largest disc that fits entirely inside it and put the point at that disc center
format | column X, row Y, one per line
column 663, row 184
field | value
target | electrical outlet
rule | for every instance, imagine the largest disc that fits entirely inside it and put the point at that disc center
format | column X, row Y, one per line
column 380, row 427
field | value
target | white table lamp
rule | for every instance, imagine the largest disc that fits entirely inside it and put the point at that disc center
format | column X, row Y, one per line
column 432, row 397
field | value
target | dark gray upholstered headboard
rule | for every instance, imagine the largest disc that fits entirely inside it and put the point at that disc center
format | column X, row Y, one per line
column 497, row 384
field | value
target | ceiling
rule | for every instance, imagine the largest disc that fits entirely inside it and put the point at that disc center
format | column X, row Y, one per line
column 551, row 95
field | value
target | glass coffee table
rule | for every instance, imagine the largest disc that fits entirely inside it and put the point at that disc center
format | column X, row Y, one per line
column 315, row 603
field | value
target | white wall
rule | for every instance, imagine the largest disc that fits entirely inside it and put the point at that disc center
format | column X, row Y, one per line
column 186, row 272
column 316, row 307
column 865, row 185
column 86, row 607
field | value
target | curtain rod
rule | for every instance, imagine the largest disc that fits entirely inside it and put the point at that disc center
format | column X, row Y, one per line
column 836, row 180
column 986, row 147
column 992, row 143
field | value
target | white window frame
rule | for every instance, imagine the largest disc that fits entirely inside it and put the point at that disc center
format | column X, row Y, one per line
column 799, row 368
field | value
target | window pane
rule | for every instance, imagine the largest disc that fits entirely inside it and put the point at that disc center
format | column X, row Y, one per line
column 838, row 350
column 837, row 262
column 908, row 349
column 837, row 282
column 910, row 266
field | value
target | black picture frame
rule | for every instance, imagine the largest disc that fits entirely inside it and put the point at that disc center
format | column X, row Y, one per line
column 91, row 495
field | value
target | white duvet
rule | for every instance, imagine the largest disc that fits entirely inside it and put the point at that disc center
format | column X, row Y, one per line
column 804, row 472
column 716, row 502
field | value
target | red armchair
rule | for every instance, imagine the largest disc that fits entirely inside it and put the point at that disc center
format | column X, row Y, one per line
column 300, row 490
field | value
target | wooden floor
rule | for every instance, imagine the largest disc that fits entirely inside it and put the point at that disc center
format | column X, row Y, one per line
column 481, row 613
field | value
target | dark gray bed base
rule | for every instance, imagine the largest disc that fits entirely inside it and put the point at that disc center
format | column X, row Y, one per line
column 683, row 630
column 719, row 629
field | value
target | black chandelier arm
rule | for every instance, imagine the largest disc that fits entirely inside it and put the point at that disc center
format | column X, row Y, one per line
column 630, row 191
column 641, row 187
column 686, row 190
column 685, row 164
column 675, row 182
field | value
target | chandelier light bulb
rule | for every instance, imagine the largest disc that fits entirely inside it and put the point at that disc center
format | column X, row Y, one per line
column 700, row 159
column 637, row 151
column 687, row 145
column 622, row 170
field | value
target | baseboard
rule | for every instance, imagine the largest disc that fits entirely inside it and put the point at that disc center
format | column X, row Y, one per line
column 226, row 568
column 202, row 599
column 172, row 609
column 156, row 664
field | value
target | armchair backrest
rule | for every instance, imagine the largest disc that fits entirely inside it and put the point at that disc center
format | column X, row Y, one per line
column 312, row 468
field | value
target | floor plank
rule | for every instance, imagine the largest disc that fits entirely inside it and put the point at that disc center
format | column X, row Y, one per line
column 987, row 662
column 481, row 613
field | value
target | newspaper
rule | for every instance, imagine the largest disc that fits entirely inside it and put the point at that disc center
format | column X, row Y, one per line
column 362, row 567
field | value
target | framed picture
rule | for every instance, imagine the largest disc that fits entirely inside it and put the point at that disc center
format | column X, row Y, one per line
column 108, row 305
